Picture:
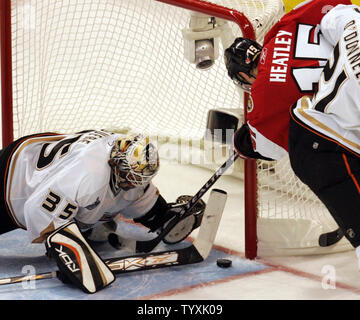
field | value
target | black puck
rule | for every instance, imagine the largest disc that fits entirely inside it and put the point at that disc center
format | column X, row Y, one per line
column 224, row 263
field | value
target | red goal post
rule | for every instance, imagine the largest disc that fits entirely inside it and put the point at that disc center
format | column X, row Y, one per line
column 79, row 64
column 204, row 7
column 250, row 167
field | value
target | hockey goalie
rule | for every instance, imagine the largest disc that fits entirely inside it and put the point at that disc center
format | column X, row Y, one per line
column 66, row 190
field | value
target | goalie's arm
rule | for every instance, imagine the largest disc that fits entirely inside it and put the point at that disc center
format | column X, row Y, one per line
column 160, row 215
column 243, row 144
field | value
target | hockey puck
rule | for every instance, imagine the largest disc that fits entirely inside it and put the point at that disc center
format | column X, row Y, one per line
column 224, row 263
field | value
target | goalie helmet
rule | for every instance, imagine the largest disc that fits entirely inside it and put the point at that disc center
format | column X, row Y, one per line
column 242, row 56
column 134, row 162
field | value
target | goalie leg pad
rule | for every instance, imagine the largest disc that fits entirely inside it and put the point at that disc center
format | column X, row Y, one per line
column 76, row 260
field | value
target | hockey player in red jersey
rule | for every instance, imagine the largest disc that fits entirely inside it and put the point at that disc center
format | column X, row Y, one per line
column 287, row 67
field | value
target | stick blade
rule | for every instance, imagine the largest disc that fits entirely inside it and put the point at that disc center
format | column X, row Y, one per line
column 210, row 222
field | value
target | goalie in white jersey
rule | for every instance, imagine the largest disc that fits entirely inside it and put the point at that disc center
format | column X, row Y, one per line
column 55, row 185
column 324, row 140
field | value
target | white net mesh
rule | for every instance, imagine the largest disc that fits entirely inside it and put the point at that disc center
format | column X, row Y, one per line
column 116, row 63
column 119, row 64
column 291, row 217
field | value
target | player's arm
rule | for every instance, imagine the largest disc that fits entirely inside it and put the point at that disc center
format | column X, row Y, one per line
column 336, row 20
column 150, row 210
column 162, row 212
column 154, row 212
column 243, row 144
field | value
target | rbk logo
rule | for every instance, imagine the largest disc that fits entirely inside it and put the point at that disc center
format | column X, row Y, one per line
column 72, row 266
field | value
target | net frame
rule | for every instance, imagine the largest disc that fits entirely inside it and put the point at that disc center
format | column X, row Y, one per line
column 251, row 27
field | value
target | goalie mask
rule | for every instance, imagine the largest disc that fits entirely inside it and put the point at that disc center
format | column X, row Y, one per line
column 242, row 56
column 134, row 162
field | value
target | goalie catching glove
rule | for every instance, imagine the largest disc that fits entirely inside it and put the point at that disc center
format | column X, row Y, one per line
column 78, row 263
column 161, row 214
column 185, row 226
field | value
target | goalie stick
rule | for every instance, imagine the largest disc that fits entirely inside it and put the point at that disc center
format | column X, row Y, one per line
column 149, row 245
column 329, row 238
column 198, row 251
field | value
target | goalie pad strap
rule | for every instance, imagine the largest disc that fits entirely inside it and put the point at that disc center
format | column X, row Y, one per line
column 77, row 260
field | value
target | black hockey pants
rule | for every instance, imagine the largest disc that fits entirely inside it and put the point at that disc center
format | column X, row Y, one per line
column 6, row 222
column 332, row 173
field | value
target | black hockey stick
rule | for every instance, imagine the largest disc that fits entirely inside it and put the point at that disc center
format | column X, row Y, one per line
column 329, row 238
column 149, row 245
column 131, row 263
column 198, row 251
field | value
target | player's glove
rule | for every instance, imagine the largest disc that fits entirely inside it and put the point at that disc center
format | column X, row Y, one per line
column 78, row 263
column 160, row 215
column 185, row 226
column 243, row 144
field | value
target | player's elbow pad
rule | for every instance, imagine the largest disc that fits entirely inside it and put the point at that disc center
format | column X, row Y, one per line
column 243, row 144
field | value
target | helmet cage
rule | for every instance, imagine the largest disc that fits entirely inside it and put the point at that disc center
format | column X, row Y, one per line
column 134, row 162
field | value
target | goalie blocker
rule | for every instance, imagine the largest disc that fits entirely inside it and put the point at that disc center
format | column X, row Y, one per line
column 78, row 263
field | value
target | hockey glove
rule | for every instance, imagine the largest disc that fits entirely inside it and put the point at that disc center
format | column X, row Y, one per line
column 160, row 215
column 78, row 263
column 244, row 146
column 185, row 226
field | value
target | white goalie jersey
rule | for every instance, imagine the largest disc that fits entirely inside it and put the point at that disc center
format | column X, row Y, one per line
column 335, row 109
column 52, row 179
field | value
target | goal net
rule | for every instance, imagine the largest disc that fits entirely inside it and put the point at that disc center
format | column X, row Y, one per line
column 133, row 65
